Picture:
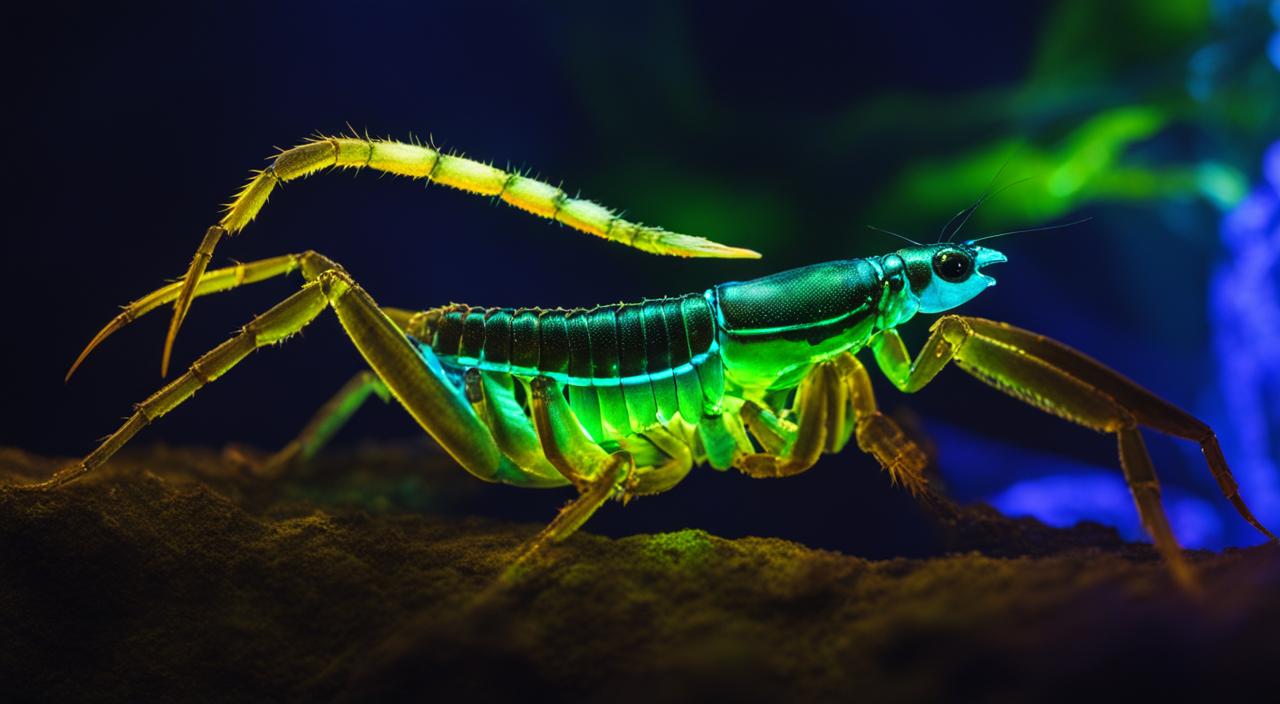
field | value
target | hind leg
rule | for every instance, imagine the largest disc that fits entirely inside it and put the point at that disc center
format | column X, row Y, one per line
column 407, row 372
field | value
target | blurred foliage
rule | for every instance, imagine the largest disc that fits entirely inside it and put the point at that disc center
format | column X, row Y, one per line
column 1106, row 103
column 1108, row 80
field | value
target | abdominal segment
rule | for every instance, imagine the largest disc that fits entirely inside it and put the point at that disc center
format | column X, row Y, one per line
column 627, row 367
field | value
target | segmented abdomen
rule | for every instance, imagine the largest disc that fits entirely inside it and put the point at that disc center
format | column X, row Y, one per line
column 627, row 366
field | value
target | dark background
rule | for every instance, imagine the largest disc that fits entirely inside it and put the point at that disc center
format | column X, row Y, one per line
column 782, row 128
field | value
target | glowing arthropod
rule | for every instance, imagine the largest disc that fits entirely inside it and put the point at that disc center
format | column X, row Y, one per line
column 623, row 400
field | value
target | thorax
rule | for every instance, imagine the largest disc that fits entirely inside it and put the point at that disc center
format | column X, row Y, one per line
column 772, row 330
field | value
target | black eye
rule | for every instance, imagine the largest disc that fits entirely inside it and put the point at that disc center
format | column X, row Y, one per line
column 953, row 265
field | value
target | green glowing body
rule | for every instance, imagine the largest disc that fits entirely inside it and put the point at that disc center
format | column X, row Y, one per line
column 623, row 400
column 633, row 366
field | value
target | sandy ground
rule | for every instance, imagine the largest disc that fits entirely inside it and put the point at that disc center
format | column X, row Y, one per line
column 171, row 576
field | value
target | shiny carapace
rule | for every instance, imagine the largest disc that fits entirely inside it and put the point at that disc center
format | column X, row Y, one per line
column 624, row 400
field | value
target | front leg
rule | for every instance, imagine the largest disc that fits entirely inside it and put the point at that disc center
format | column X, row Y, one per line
column 1069, row 384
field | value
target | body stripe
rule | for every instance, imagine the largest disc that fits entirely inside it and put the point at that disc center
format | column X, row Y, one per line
column 748, row 332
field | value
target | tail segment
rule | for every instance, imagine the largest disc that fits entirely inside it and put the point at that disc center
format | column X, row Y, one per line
column 421, row 161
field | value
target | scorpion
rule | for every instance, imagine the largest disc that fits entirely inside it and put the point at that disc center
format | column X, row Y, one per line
column 623, row 400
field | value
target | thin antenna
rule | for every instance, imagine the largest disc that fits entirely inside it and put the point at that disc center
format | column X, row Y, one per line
column 986, row 197
column 1033, row 229
column 986, row 193
column 889, row 232
column 969, row 210
column 942, row 233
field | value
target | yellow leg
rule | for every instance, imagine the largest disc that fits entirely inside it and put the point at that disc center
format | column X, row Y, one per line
column 423, row 161
column 597, row 475
column 674, row 463
column 615, row 472
column 877, row 434
column 313, row 264
column 819, row 408
column 564, row 443
column 432, row 400
column 214, row 281
column 834, row 403
column 277, row 324
column 493, row 398
column 774, row 433
column 1069, row 384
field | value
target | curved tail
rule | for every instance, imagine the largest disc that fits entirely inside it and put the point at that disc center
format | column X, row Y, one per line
column 423, row 161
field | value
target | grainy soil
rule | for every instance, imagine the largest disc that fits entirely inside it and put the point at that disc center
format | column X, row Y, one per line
column 172, row 575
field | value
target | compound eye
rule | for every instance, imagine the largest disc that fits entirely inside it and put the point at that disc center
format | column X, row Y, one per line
column 953, row 265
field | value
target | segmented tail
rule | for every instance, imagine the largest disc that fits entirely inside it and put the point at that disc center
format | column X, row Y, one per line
column 422, row 161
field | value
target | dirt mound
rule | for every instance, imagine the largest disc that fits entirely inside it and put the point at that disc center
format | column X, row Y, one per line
column 167, row 577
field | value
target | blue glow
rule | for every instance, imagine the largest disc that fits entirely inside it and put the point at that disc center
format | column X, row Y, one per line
column 1063, row 500
column 1271, row 165
column 566, row 380
column 1243, row 406
column 1062, row 492
column 1244, row 308
column 1273, row 50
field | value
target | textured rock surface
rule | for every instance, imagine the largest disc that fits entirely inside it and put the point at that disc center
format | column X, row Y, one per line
column 170, row 577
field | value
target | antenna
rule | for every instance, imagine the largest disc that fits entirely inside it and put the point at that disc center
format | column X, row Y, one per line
column 890, row 232
column 968, row 212
column 1031, row 229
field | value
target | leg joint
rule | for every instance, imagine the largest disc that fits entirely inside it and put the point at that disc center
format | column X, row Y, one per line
column 199, row 374
column 143, row 411
column 303, row 160
column 953, row 328
column 335, row 283
column 1124, row 421
column 314, row 264
column 1151, row 485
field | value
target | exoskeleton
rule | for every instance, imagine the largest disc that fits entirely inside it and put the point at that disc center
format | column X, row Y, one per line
column 623, row 400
